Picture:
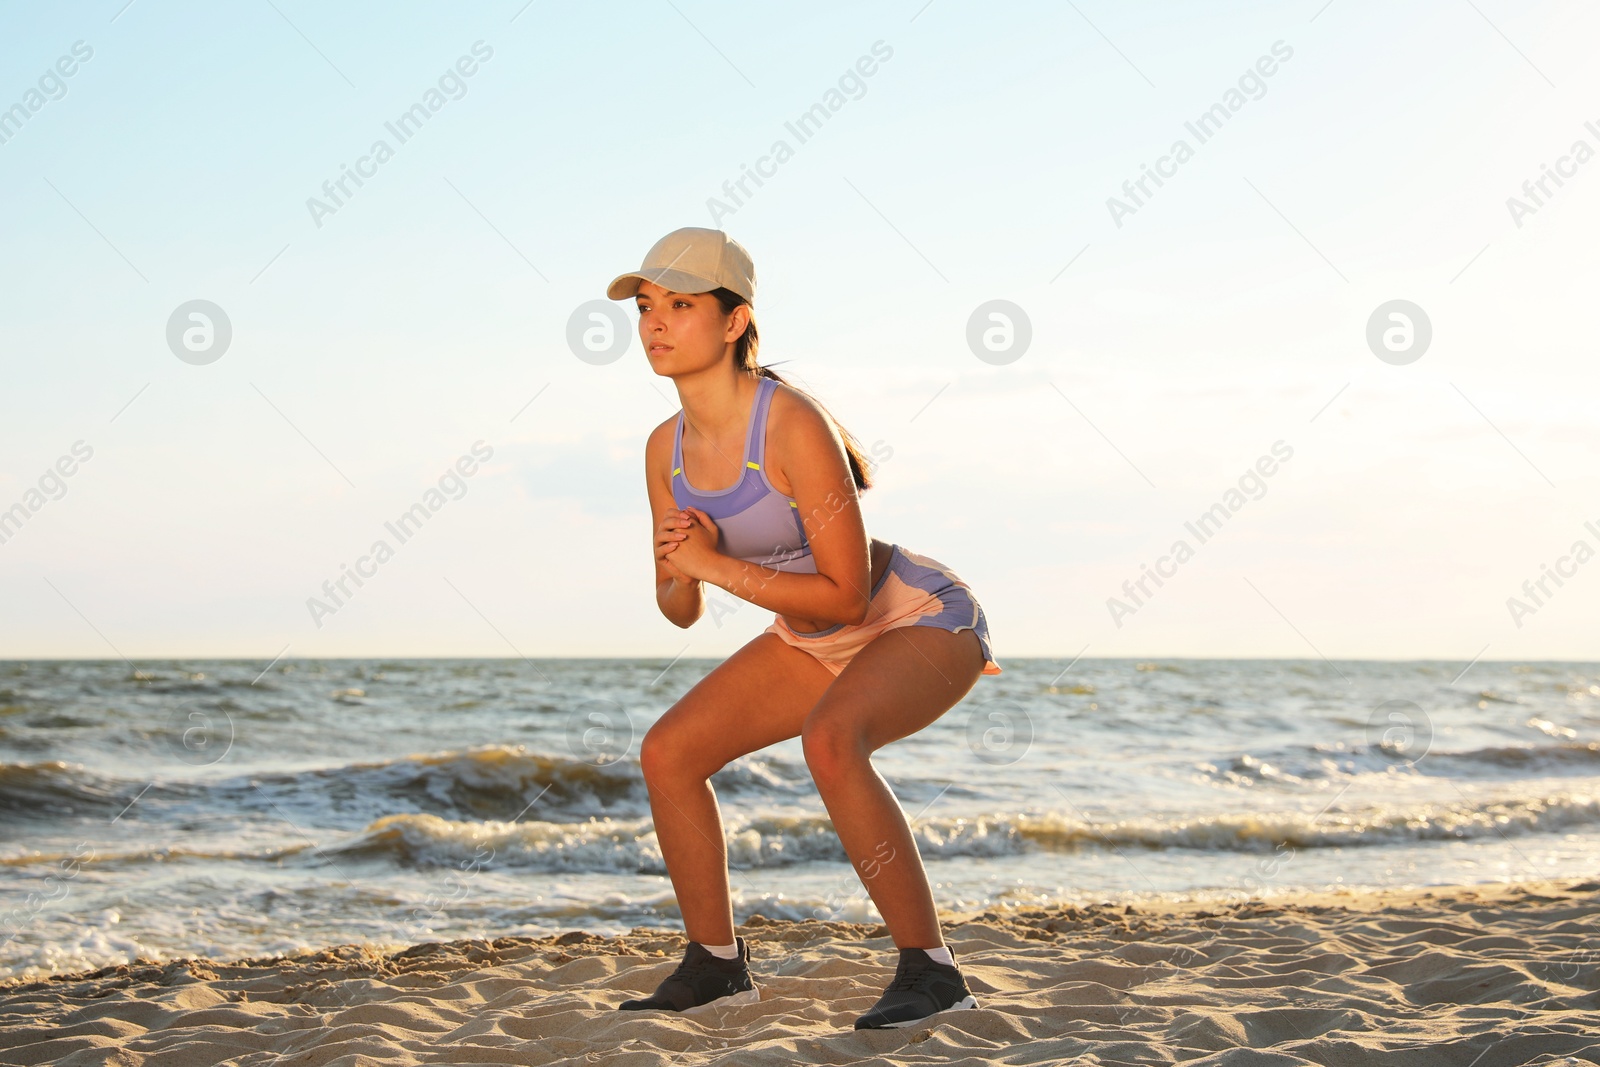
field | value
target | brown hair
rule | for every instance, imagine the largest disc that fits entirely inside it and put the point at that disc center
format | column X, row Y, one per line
column 744, row 358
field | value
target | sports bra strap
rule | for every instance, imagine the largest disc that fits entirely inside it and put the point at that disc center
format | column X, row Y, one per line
column 755, row 434
column 758, row 420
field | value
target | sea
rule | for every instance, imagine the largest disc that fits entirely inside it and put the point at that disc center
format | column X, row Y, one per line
column 232, row 809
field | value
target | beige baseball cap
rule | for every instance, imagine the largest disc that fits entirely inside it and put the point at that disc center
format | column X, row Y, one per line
column 691, row 260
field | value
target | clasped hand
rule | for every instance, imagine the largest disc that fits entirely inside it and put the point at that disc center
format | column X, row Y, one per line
column 686, row 544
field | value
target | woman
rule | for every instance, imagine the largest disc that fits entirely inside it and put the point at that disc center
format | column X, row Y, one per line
column 754, row 488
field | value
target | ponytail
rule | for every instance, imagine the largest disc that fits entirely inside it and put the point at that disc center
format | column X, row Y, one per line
column 744, row 358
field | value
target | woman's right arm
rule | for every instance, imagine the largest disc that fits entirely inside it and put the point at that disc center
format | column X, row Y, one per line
column 681, row 602
column 681, row 599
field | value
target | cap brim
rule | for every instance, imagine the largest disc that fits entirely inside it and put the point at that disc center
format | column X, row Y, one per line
column 674, row 281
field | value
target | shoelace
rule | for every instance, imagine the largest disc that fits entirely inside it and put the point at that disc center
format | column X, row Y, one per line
column 906, row 977
column 690, row 970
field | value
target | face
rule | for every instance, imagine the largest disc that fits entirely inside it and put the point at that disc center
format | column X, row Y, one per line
column 683, row 332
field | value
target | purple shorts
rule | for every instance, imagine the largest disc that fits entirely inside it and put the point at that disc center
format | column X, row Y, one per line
column 914, row 590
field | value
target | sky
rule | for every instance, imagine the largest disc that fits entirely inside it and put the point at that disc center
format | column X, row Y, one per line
column 1348, row 322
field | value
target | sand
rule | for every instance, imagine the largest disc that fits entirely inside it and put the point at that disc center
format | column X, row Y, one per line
column 1486, row 976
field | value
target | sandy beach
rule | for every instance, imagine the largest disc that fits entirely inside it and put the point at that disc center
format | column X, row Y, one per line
column 1493, row 976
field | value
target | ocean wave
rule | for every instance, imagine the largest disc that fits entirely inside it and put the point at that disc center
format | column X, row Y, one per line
column 490, row 782
column 53, row 789
column 1291, row 769
column 776, row 841
column 1572, row 755
column 629, row 845
column 1332, row 828
column 1307, row 765
column 506, row 782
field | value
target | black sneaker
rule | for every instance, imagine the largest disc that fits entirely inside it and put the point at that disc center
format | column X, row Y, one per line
column 922, row 987
column 700, row 979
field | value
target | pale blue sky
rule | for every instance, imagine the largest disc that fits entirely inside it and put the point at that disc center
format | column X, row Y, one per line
column 1168, row 354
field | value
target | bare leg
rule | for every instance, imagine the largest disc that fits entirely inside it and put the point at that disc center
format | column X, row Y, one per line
column 757, row 697
column 899, row 683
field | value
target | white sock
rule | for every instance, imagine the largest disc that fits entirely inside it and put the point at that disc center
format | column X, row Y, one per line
column 941, row 955
column 722, row 952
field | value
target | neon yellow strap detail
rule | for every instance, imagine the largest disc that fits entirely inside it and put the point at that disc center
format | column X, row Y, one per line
column 677, row 470
column 752, row 463
column 792, row 504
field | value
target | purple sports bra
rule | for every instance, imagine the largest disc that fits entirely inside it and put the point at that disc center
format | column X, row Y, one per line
column 756, row 523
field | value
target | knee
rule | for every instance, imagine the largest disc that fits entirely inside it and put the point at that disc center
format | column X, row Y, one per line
column 832, row 749
column 659, row 752
column 666, row 755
